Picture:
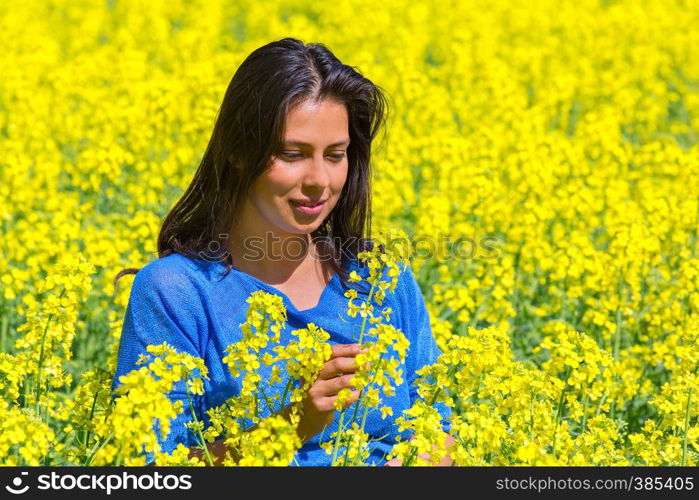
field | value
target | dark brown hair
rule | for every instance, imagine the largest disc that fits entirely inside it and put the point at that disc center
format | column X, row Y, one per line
column 249, row 129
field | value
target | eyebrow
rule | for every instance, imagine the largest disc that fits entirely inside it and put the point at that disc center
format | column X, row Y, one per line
column 300, row 143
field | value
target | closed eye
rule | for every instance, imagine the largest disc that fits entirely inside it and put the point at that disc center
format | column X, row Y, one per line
column 296, row 156
column 292, row 155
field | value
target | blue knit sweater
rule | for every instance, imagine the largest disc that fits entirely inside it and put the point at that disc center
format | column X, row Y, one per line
column 192, row 306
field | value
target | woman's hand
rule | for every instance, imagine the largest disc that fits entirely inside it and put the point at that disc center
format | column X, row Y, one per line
column 445, row 462
column 394, row 462
column 319, row 404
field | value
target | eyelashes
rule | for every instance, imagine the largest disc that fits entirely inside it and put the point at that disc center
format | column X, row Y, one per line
column 296, row 156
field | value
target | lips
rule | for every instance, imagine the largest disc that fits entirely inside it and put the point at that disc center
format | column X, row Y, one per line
column 304, row 203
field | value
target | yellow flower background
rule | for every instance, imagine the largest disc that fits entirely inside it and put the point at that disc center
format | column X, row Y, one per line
column 541, row 154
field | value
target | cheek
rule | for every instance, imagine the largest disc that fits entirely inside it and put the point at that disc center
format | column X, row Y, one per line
column 278, row 182
column 340, row 179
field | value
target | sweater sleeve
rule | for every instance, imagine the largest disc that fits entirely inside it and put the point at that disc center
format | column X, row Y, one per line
column 164, row 306
column 423, row 348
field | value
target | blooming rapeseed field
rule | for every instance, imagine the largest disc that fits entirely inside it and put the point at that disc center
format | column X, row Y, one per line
column 542, row 156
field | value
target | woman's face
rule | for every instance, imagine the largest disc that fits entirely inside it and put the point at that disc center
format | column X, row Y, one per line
column 311, row 169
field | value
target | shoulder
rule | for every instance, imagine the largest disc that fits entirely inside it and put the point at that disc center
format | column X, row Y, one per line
column 408, row 303
column 407, row 288
column 171, row 276
column 168, row 304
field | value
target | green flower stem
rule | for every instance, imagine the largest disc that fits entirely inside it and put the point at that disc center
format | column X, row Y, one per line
column 367, row 302
column 266, row 400
column 39, row 367
column 3, row 332
column 361, row 393
column 584, row 421
column 559, row 412
column 41, row 360
column 696, row 231
column 96, row 448
column 600, row 403
column 475, row 398
column 336, row 446
column 286, row 390
column 686, row 426
column 200, row 435
column 617, row 333
column 264, row 328
column 359, row 400
column 531, row 417
column 340, row 428
column 256, row 402
column 366, row 412
column 92, row 414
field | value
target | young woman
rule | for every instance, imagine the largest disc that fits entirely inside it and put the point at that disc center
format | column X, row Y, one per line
column 280, row 203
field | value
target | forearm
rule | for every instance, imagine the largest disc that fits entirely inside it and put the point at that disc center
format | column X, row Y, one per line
column 217, row 451
column 308, row 426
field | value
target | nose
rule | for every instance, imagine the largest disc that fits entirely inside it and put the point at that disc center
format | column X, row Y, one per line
column 316, row 174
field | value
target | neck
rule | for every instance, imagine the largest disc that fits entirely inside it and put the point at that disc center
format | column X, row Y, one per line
column 271, row 256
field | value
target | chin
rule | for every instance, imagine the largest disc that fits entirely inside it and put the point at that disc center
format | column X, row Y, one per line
column 295, row 227
column 307, row 229
column 292, row 227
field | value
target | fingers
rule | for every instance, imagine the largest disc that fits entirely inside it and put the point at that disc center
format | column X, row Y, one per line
column 341, row 361
column 395, row 462
column 335, row 366
column 344, row 350
column 328, row 403
column 324, row 388
column 354, row 397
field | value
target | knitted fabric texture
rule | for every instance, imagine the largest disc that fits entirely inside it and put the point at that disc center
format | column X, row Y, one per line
column 194, row 307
